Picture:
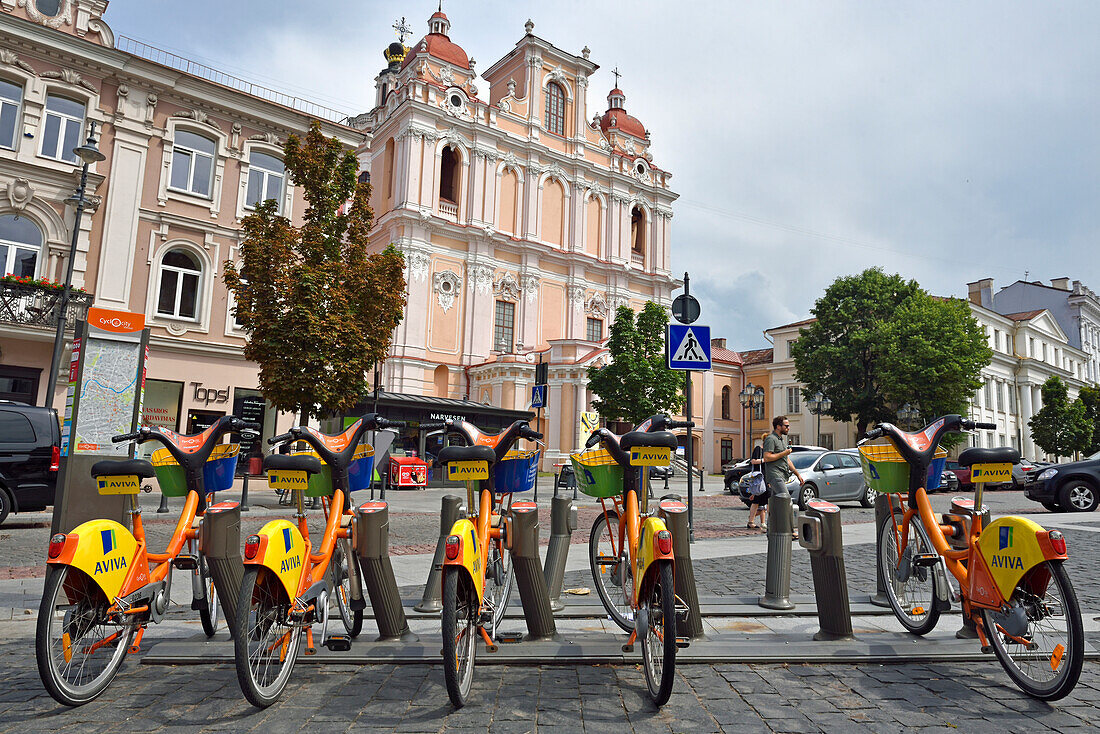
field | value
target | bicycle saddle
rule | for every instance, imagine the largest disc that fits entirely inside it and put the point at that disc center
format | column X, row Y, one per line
column 116, row 468
column 1001, row 455
column 466, row 453
column 289, row 462
column 653, row 439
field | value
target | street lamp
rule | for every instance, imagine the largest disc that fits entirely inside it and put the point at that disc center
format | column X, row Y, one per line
column 908, row 414
column 88, row 154
column 751, row 397
column 819, row 404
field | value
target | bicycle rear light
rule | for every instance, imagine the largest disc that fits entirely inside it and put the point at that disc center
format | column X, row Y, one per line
column 1058, row 542
column 57, row 542
column 664, row 541
column 453, row 547
column 251, row 546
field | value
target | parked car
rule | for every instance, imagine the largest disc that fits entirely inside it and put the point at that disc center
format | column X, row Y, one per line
column 1072, row 487
column 734, row 471
column 835, row 476
column 662, row 472
column 962, row 473
column 948, row 481
column 30, row 455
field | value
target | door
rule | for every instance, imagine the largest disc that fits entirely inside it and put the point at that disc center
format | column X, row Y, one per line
column 853, row 476
column 831, row 486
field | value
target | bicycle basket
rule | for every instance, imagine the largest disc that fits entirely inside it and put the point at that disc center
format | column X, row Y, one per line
column 217, row 473
column 360, row 471
column 516, row 472
column 597, row 473
column 886, row 471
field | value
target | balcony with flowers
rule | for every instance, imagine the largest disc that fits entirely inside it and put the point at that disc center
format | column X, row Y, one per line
column 28, row 301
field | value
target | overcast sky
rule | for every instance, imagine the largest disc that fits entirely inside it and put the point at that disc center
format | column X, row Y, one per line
column 945, row 141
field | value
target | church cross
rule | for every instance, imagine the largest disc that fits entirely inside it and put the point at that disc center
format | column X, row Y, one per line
column 615, row 71
column 402, row 29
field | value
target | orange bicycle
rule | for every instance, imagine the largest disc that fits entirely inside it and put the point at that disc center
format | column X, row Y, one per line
column 1011, row 579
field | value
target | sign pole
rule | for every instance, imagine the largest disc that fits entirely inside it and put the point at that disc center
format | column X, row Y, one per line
column 690, row 455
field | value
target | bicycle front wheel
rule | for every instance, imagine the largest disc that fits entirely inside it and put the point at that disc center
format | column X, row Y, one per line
column 79, row 648
column 460, row 613
column 659, row 641
column 206, row 598
column 1040, row 640
column 344, row 565
column 266, row 645
column 611, row 568
column 910, row 589
column 499, row 579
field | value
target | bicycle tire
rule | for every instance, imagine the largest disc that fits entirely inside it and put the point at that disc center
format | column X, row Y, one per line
column 497, row 595
column 917, row 611
column 263, row 606
column 459, row 629
column 610, row 573
column 344, row 564
column 81, row 624
column 659, row 641
column 1033, row 591
column 207, row 600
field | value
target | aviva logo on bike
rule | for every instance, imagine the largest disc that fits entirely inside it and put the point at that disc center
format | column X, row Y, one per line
column 290, row 563
column 991, row 473
column 125, row 484
column 284, row 480
column 650, row 456
column 468, row 470
column 109, row 564
column 1004, row 539
column 109, row 539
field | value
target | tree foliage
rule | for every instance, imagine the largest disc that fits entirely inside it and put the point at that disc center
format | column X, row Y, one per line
column 318, row 309
column 1061, row 427
column 880, row 341
column 1090, row 396
column 637, row 382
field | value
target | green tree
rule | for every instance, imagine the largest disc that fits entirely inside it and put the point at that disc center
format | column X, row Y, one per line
column 879, row 341
column 1090, row 396
column 318, row 309
column 1061, row 428
column 637, row 382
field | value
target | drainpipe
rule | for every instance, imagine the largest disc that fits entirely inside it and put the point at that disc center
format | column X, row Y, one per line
column 1016, row 388
column 466, row 371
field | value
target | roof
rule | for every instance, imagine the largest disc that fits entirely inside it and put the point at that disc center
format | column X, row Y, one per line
column 721, row 354
column 804, row 322
column 440, row 47
column 624, row 123
column 757, row 356
column 1024, row 315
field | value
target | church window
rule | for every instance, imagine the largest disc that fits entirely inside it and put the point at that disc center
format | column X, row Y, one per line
column 637, row 234
column 504, row 326
column 448, row 176
column 594, row 330
column 555, row 108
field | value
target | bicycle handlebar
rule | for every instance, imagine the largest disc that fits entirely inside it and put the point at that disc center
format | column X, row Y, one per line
column 127, row 437
column 530, row 434
column 433, row 425
column 680, row 424
column 971, row 425
column 282, row 437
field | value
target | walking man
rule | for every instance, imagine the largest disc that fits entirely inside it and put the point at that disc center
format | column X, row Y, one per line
column 777, row 458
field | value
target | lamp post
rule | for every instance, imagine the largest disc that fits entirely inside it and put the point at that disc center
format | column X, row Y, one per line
column 819, row 404
column 751, row 397
column 88, row 154
column 907, row 414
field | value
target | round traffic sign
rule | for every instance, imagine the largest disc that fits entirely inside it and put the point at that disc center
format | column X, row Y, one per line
column 685, row 309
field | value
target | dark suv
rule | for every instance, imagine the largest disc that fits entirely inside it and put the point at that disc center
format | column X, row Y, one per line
column 30, row 453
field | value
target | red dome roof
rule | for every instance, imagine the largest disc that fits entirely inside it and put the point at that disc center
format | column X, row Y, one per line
column 440, row 47
column 618, row 119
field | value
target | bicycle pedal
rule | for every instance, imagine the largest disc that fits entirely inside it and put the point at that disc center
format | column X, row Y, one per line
column 682, row 642
column 186, row 562
column 926, row 559
column 338, row 643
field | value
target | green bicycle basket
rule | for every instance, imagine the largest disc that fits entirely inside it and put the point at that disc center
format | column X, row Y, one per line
column 217, row 472
column 597, row 473
column 886, row 471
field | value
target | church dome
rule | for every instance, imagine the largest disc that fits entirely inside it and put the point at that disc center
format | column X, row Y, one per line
column 616, row 117
column 438, row 45
column 395, row 52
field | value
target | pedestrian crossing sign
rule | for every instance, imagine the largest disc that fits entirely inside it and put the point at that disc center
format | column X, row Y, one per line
column 688, row 347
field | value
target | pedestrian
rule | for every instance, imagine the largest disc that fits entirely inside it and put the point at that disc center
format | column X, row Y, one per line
column 758, row 505
column 777, row 460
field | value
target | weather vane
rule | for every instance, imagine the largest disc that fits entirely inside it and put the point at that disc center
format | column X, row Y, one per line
column 402, row 29
column 615, row 71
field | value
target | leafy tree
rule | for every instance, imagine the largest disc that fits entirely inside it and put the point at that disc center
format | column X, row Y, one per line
column 879, row 341
column 637, row 383
column 1090, row 396
column 319, row 310
column 1061, row 428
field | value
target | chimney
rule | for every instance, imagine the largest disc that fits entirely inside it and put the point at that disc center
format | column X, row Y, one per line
column 1061, row 284
column 718, row 343
column 980, row 292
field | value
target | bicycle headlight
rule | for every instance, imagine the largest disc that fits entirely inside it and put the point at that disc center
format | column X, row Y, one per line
column 1047, row 474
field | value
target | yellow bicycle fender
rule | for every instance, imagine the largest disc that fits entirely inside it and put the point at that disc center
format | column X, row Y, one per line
column 104, row 550
column 283, row 553
column 468, row 557
column 1010, row 547
column 647, row 550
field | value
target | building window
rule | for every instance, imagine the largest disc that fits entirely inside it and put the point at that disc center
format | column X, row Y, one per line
column 594, row 332
column 10, row 97
column 61, row 129
column 793, row 439
column 825, row 440
column 794, row 400
column 637, row 234
column 758, row 412
column 989, row 393
column 1011, row 398
column 504, row 326
column 726, row 403
column 996, row 340
column 48, row 8
column 448, row 176
column 727, row 451
column 790, row 348
column 20, row 245
column 180, row 277
column 555, row 108
column 192, row 164
column 266, row 175
column 1001, row 386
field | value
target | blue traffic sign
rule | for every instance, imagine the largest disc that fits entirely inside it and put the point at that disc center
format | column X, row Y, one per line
column 538, row 396
column 688, row 347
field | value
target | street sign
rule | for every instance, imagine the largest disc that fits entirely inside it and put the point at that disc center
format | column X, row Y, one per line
column 538, row 396
column 685, row 308
column 541, row 371
column 688, row 347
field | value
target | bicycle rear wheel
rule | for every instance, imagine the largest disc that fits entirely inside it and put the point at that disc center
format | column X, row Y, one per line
column 659, row 641
column 206, row 599
column 500, row 576
column 266, row 645
column 460, row 613
column 344, row 565
column 78, row 647
column 1040, row 641
column 611, row 568
column 911, row 590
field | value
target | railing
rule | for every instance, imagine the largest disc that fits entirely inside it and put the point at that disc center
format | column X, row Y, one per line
column 448, row 209
column 32, row 305
column 179, row 63
column 637, row 258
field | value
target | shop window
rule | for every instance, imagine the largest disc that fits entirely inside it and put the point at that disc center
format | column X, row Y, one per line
column 448, row 176
column 11, row 95
column 266, row 176
column 61, row 128
column 555, row 108
column 192, row 164
column 180, row 279
column 20, row 246
column 595, row 330
column 726, row 403
column 504, row 326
